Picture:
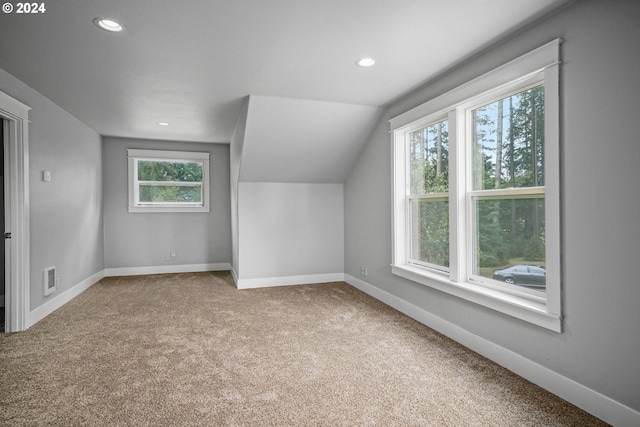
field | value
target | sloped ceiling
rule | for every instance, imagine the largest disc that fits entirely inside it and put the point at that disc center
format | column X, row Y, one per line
column 193, row 63
column 296, row 140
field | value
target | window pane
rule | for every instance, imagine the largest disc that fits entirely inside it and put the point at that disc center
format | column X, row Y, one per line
column 508, row 142
column 430, row 231
column 429, row 159
column 150, row 193
column 508, row 233
column 169, row 171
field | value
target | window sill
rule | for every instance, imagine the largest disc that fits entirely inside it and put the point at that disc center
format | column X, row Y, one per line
column 512, row 305
column 169, row 209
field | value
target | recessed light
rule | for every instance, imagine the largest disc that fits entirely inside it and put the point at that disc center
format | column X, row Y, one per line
column 163, row 124
column 365, row 62
column 108, row 24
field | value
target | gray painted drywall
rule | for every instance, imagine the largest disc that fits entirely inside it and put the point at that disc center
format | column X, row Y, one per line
column 235, row 159
column 296, row 227
column 66, row 214
column 600, row 98
column 144, row 239
column 290, row 229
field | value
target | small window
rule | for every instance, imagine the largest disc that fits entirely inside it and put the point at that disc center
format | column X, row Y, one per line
column 168, row 181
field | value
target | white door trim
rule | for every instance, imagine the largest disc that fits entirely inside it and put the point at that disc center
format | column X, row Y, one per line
column 16, row 187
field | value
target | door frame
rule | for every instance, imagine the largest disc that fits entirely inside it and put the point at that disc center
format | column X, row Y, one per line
column 16, row 189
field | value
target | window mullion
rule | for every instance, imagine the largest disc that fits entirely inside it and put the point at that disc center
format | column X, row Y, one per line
column 457, row 187
column 432, row 196
column 466, row 129
column 171, row 183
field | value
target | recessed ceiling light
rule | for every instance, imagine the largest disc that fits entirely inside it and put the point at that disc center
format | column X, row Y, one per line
column 108, row 24
column 163, row 124
column 365, row 62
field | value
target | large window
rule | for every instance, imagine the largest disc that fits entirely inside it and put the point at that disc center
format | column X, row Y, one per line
column 476, row 190
column 168, row 181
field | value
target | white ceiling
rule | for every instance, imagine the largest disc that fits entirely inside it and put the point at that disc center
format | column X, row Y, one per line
column 193, row 63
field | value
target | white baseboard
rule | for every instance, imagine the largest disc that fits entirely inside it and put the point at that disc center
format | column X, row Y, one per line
column 58, row 301
column 287, row 280
column 164, row 269
column 234, row 275
column 589, row 400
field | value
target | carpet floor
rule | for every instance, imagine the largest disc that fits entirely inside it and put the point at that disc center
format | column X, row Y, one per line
column 190, row 349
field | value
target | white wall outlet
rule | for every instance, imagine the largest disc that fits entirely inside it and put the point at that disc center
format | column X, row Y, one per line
column 173, row 254
column 363, row 271
column 46, row 176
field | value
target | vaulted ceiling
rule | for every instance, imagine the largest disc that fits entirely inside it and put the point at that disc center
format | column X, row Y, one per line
column 194, row 63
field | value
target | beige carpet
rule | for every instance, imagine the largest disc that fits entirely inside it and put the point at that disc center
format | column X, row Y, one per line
column 190, row 349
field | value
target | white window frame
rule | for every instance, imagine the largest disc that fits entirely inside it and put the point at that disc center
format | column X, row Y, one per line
column 135, row 155
column 540, row 66
column 426, row 122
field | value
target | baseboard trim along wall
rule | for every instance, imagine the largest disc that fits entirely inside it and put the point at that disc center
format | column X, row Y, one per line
column 287, row 280
column 59, row 300
column 164, row 269
column 589, row 400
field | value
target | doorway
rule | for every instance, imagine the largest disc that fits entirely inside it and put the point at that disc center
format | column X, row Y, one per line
column 14, row 116
column 2, row 217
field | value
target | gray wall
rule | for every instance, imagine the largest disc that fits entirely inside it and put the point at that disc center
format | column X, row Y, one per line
column 235, row 160
column 600, row 97
column 66, row 213
column 290, row 229
column 281, row 229
column 144, row 239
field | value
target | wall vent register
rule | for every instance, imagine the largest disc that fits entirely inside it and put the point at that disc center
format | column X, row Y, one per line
column 50, row 281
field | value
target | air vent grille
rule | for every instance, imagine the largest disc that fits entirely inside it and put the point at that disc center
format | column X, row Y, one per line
column 50, row 281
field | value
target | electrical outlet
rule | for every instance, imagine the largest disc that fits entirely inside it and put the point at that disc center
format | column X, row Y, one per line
column 363, row 271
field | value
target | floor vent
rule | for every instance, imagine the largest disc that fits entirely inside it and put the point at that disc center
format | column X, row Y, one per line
column 50, row 281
